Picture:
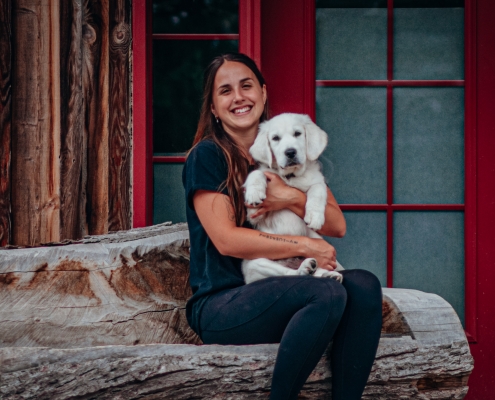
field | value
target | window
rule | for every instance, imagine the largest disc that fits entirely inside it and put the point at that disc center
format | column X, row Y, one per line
column 390, row 93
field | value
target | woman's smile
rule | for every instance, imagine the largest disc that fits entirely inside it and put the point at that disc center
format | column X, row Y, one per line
column 238, row 100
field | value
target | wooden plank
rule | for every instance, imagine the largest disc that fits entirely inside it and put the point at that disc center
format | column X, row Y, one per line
column 5, row 119
column 119, row 117
column 73, row 158
column 95, row 91
column 36, row 122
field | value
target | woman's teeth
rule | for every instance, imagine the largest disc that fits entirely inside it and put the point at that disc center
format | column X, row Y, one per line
column 241, row 110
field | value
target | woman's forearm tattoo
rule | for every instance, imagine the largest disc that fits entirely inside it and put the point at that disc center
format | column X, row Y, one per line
column 278, row 239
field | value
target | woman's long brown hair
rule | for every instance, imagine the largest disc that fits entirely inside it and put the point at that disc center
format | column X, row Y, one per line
column 208, row 128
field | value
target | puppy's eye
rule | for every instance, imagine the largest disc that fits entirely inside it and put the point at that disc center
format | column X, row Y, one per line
column 297, row 133
column 276, row 138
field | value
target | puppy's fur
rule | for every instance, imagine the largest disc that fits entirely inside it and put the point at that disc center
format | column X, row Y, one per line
column 288, row 145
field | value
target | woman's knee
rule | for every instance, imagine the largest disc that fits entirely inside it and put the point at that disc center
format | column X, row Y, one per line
column 363, row 284
column 327, row 291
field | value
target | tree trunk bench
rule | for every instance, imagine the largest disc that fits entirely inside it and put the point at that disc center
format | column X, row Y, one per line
column 104, row 318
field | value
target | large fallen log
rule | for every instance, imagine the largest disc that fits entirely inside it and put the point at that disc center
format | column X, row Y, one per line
column 104, row 319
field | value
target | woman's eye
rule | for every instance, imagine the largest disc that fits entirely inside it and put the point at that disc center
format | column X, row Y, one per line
column 276, row 138
column 297, row 133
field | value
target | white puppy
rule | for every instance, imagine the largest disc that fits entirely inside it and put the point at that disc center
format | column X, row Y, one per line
column 288, row 145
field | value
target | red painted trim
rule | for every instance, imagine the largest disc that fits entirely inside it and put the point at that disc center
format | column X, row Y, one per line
column 471, row 276
column 168, row 159
column 195, row 36
column 250, row 29
column 398, row 83
column 482, row 379
column 149, row 112
column 309, row 59
column 140, row 154
column 402, row 207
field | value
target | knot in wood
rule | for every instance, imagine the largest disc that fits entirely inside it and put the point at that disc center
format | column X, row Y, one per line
column 89, row 34
column 121, row 38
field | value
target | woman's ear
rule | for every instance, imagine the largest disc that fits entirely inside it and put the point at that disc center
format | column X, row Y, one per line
column 260, row 150
column 316, row 139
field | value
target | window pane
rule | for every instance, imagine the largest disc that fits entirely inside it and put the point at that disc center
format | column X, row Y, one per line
column 195, row 16
column 429, row 145
column 429, row 43
column 169, row 202
column 365, row 243
column 351, row 43
column 355, row 161
column 178, row 67
column 429, row 254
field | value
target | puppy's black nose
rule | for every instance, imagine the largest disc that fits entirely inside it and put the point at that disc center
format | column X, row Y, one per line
column 290, row 153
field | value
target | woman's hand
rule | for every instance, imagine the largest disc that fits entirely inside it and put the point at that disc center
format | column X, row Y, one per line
column 278, row 196
column 323, row 252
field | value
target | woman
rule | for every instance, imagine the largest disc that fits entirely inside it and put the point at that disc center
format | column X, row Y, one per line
column 301, row 313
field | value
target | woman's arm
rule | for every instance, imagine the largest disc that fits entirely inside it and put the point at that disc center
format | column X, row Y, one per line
column 280, row 195
column 216, row 214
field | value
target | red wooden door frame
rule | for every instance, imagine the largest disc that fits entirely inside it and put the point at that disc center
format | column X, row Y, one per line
column 287, row 58
column 288, row 51
column 249, row 43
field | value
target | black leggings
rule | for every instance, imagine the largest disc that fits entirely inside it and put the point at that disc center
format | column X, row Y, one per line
column 303, row 314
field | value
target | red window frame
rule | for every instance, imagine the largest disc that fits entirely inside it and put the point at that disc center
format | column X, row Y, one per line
column 469, row 207
column 143, row 158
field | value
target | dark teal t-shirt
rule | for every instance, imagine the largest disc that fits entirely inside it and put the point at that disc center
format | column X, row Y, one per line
column 210, row 272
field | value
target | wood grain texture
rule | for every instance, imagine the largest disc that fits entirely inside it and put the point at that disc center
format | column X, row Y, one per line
column 105, row 318
column 96, row 102
column 119, row 117
column 5, row 119
column 73, row 153
column 402, row 370
column 117, row 289
column 35, row 122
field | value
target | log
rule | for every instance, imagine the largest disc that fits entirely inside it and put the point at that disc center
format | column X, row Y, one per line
column 5, row 119
column 73, row 159
column 95, row 92
column 35, row 122
column 104, row 318
column 119, row 138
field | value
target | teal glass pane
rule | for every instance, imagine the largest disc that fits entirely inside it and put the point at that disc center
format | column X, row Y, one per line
column 355, row 160
column 195, row 16
column 429, row 145
column 429, row 43
column 178, row 67
column 364, row 246
column 429, row 254
column 351, row 43
column 169, row 202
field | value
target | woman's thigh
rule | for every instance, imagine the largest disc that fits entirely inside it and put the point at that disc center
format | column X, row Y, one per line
column 259, row 312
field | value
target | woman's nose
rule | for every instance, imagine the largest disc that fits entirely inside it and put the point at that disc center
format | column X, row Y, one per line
column 238, row 96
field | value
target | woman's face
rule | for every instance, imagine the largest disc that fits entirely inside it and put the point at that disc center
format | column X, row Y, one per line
column 238, row 98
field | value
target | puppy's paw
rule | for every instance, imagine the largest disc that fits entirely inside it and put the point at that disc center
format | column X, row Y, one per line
column 307, row 267
column 314, row 220
column 255, row 194
column 332, row 274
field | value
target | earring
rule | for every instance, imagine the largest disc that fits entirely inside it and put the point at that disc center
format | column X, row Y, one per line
column 217, row 120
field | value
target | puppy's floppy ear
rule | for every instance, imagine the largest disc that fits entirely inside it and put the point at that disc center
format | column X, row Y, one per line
column 260, row 150
column 316, row 139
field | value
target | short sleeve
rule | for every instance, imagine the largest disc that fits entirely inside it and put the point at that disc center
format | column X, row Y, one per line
column 205, row 169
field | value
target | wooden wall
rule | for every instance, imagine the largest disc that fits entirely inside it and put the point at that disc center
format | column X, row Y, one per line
column 64, row 119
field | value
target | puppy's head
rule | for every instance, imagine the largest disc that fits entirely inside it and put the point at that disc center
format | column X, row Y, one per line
column 288, row 140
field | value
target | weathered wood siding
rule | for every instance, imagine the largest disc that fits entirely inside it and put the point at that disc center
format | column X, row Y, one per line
column 65, row 135
column 5, row 119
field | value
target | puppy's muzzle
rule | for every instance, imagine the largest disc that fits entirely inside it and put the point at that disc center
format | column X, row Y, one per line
column 291, row 155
